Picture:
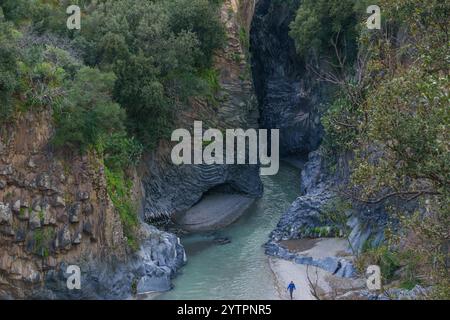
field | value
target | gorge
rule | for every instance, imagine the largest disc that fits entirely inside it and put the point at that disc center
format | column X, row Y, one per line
column 88, row 176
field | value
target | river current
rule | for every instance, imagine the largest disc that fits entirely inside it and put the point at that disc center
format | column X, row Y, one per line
column 239, row 269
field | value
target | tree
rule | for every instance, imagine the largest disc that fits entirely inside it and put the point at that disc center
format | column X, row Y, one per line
column 317, row 23
column 156, row 49
column 88, row 113
column 201, row 18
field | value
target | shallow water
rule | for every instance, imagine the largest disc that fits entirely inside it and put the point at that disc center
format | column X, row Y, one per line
column 240, row 269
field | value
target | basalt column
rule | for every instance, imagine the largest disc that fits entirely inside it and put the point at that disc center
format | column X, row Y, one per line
column 288, row 97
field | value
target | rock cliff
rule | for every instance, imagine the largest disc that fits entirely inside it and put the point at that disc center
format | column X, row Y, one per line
column 171, row 189
column 307, row 216
column 55, row 210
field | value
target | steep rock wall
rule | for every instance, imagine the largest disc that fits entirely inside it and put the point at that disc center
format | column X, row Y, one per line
column 171, row 189
column 55, row 211
column 58, row 208
column 307, row 216
column 288, row 95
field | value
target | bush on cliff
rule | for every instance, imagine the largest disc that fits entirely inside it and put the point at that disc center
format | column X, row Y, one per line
column 8, row 69
column 88, row 112
column 319, row 25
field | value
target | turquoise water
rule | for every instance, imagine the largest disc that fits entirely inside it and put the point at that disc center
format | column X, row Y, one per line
column 238, row 270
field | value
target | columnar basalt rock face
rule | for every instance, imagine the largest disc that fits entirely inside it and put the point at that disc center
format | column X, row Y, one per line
column 288, row 94
column 172, row 189
column 45, row 203
column 151, row 269
column 55, row 211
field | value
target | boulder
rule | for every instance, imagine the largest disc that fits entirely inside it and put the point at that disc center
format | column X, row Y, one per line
column 74, row 212
column 77, row 239
column 6, row 170
column 31, row 164
column 149, row 284
column 222, row 241
column 64, row 238
column 347, row 269
column 5, row 214
column 335, row 265
column 87, row 228
column 43, row 182
column 20, row 235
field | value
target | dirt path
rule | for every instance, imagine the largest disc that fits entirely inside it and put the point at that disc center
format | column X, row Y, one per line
column 285, row 272
column 324, row 282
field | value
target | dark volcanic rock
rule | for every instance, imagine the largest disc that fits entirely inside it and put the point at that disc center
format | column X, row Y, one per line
column 305, row 213
column 150, row 269
column 174, row 189
column 305, row 216
column 287, row 93
column 338, row 266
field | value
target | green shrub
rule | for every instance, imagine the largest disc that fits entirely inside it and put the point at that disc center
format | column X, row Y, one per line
column 341, row 123
column 409, row 284
column 119, row 189
column 156, row 49
column 42, row 241
column 244, row 39
column 382, row 256
column 8, row 69
column 202, row 18
column 121, row 152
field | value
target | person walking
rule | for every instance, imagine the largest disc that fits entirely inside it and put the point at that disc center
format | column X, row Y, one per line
column 291, row 287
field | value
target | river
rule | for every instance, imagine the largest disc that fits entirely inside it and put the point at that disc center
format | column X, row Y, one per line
column 240, row 269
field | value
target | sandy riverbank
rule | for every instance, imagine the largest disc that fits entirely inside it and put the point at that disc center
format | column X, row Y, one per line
column 325, row 284
column 213, row 212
